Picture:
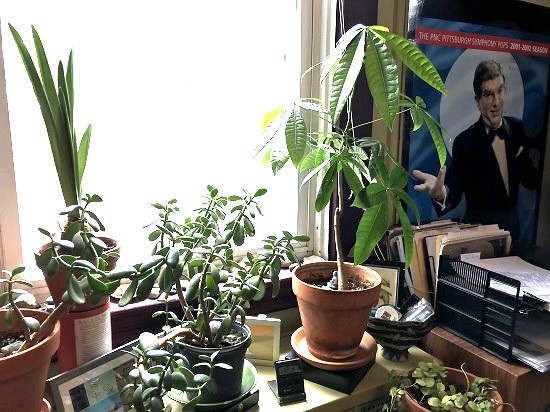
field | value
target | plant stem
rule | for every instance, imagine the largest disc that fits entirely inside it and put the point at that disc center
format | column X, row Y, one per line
column 47, row 325
column 342, row 276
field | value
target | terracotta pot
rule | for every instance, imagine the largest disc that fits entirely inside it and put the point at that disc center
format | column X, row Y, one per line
column 23, row 375
column 334, row 321
column 57, row 284
column 455, row 377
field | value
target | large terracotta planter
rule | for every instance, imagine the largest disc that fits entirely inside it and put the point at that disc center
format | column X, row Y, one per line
column 57, row 284
column 23, row 376
column 334, row 321
column 454, row 377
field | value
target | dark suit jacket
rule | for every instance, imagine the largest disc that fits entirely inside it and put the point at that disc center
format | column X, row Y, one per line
column 474, row 172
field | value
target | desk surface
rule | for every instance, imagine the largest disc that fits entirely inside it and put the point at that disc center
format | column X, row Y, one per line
column 374, row 385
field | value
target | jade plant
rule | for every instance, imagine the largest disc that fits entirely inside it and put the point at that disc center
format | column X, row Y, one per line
column 429, row 387
column 195, row 258
column 337, row 152
column 200, row 252
column 161, row 367
column 82, row 255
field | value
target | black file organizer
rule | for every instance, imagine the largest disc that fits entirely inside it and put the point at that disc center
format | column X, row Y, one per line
column 468, row 305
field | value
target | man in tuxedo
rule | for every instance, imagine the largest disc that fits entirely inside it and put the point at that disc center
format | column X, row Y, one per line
column 490, row 159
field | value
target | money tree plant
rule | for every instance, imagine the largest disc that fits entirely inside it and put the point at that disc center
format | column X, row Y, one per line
column 340, row 154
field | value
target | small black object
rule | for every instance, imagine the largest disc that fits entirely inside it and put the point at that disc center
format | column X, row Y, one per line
column 344, row 381
column 289, row 386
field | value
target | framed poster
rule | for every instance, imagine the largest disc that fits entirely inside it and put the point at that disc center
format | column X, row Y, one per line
column 94, row 386
column 457, row 35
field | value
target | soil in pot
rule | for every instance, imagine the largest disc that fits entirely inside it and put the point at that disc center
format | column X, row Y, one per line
column 321, row 280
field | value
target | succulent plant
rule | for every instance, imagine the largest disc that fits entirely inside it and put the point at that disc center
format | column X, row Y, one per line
column 428, row 385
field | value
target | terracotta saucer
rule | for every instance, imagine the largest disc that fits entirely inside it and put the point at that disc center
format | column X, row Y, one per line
column 365, row 354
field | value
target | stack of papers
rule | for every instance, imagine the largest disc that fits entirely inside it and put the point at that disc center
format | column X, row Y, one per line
column 532, row 336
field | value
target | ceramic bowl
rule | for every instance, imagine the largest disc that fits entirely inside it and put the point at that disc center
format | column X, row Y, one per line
column 397, row 337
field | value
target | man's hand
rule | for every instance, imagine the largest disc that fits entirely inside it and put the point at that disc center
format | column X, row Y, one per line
column 433, row 186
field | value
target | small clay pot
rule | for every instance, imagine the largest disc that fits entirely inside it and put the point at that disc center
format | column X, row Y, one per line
column 454, row 377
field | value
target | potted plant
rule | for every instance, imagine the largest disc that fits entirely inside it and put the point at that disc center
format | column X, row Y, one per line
column 433, row 387
column 334, row 319
column 70, row 156
column 34, row 335
column 220, row 287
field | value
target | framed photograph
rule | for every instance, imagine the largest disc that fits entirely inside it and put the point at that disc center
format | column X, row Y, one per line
column 266, row 336
column 94, row 386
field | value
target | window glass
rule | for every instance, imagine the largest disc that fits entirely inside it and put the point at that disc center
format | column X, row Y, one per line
column 175, row 92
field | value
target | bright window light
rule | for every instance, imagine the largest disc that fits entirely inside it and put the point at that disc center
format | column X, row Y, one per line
column 175, row 92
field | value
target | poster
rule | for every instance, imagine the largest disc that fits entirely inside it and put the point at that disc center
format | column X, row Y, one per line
column 455, row 48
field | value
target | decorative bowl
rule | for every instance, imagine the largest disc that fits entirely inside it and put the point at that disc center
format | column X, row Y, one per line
column 397, row 337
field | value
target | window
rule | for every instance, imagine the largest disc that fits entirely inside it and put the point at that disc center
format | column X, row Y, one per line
column 175, row 92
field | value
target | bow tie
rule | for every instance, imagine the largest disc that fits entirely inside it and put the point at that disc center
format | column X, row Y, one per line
column 500, row 132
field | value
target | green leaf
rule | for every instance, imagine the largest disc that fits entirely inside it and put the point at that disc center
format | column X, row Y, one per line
column 327, row 188
column 96, row 284
column 353, row 178
column 61, row 139
column 261, row 291
column 436, row 137
column 4, row 297
column 372, row 195
column 145, row 286
column 172, row 258
column 398, row 178
column 151, row 262
column 260, row 192
column 382, row 78
column 296, row 136
column 193, row 288
column 341, row 46
column 166, row 279
column 238, row 236
column 211, row 285
column 415, row 60
column 75, row 291
column 278, row 158
column 404, row 196
column 407, row 233
column 345, row 75
column 371, row 229
column 31, row 323
column 83, row 152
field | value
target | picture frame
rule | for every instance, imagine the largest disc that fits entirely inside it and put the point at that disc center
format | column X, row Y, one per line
column 389, row 290
column 94, row 386
column 394, row 290
column 266, row 336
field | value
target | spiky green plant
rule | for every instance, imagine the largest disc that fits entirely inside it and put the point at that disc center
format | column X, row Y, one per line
column 57, row 106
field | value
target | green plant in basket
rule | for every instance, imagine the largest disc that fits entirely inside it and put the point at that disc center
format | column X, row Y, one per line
column 436, row 388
